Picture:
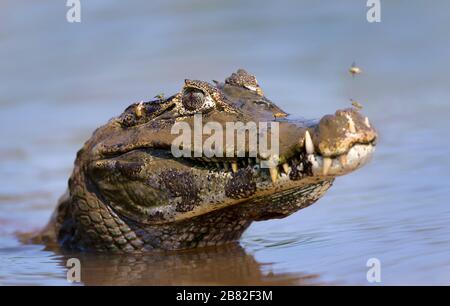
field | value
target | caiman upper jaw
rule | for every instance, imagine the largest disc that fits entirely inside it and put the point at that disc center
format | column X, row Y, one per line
column 336, row 145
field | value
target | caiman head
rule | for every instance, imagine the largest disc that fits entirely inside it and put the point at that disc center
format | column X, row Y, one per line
column 130, row 192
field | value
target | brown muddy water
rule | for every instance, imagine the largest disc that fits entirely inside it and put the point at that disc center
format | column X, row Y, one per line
column 59, row 81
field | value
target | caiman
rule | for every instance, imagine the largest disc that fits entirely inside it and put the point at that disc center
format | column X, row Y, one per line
column 128, row 193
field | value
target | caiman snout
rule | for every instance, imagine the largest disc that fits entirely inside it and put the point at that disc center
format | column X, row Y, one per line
column 336, row 134
column 341, row 142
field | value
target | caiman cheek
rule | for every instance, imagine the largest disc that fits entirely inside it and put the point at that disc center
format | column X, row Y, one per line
column 241, row 185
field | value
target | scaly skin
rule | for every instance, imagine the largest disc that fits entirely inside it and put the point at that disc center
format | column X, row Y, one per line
column 128, row 193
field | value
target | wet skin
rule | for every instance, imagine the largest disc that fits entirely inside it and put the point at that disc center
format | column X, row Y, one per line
column 128, row 193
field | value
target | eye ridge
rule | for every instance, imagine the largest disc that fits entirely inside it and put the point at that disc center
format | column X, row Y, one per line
column 193, row 99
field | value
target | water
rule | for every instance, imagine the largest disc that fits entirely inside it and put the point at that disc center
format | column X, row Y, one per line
column 59, row 81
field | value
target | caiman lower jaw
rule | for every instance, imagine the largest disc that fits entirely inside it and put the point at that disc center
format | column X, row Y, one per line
column 318, row 166
column 356, row 157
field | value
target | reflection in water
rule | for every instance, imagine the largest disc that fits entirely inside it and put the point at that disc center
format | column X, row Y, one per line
column 225, row 265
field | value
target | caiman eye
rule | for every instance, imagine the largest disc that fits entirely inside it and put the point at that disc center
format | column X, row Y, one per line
column 193, row 99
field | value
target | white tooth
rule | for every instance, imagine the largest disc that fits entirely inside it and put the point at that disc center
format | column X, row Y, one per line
column 139, row 109
column 273, row 174
column 234, row 166
column 326, row 165
column 366, row 121
column 343, row 159
column 352, row 127
column 286, row 168
column 309, row 144
column 351, row 124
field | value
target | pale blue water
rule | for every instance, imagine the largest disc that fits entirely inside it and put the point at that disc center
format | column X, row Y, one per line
column 59, row 81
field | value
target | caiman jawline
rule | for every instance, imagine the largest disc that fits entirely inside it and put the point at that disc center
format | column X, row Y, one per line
column 358, row 155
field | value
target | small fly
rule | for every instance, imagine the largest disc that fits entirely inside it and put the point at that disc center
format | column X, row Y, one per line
column 356, row 104
column 354, row 70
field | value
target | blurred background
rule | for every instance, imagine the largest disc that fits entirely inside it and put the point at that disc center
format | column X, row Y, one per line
column 60, row 80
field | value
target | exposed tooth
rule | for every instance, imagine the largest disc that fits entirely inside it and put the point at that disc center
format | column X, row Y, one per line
column 139, row 109
column 351, row 124
column 366, row 121
column 312, row 159
column 343, row 159
column 273, row 174
column 286, row 168
column 326, row 165
column 234, row 166
column 309, row 144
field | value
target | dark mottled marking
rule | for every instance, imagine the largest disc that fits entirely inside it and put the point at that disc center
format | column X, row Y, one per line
column 181, row 184
column 242, row 78
column 129, row 169
column 307, row 165
column 295, row 173
column 128, row 120
column 241, row 185
column 150, row 109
